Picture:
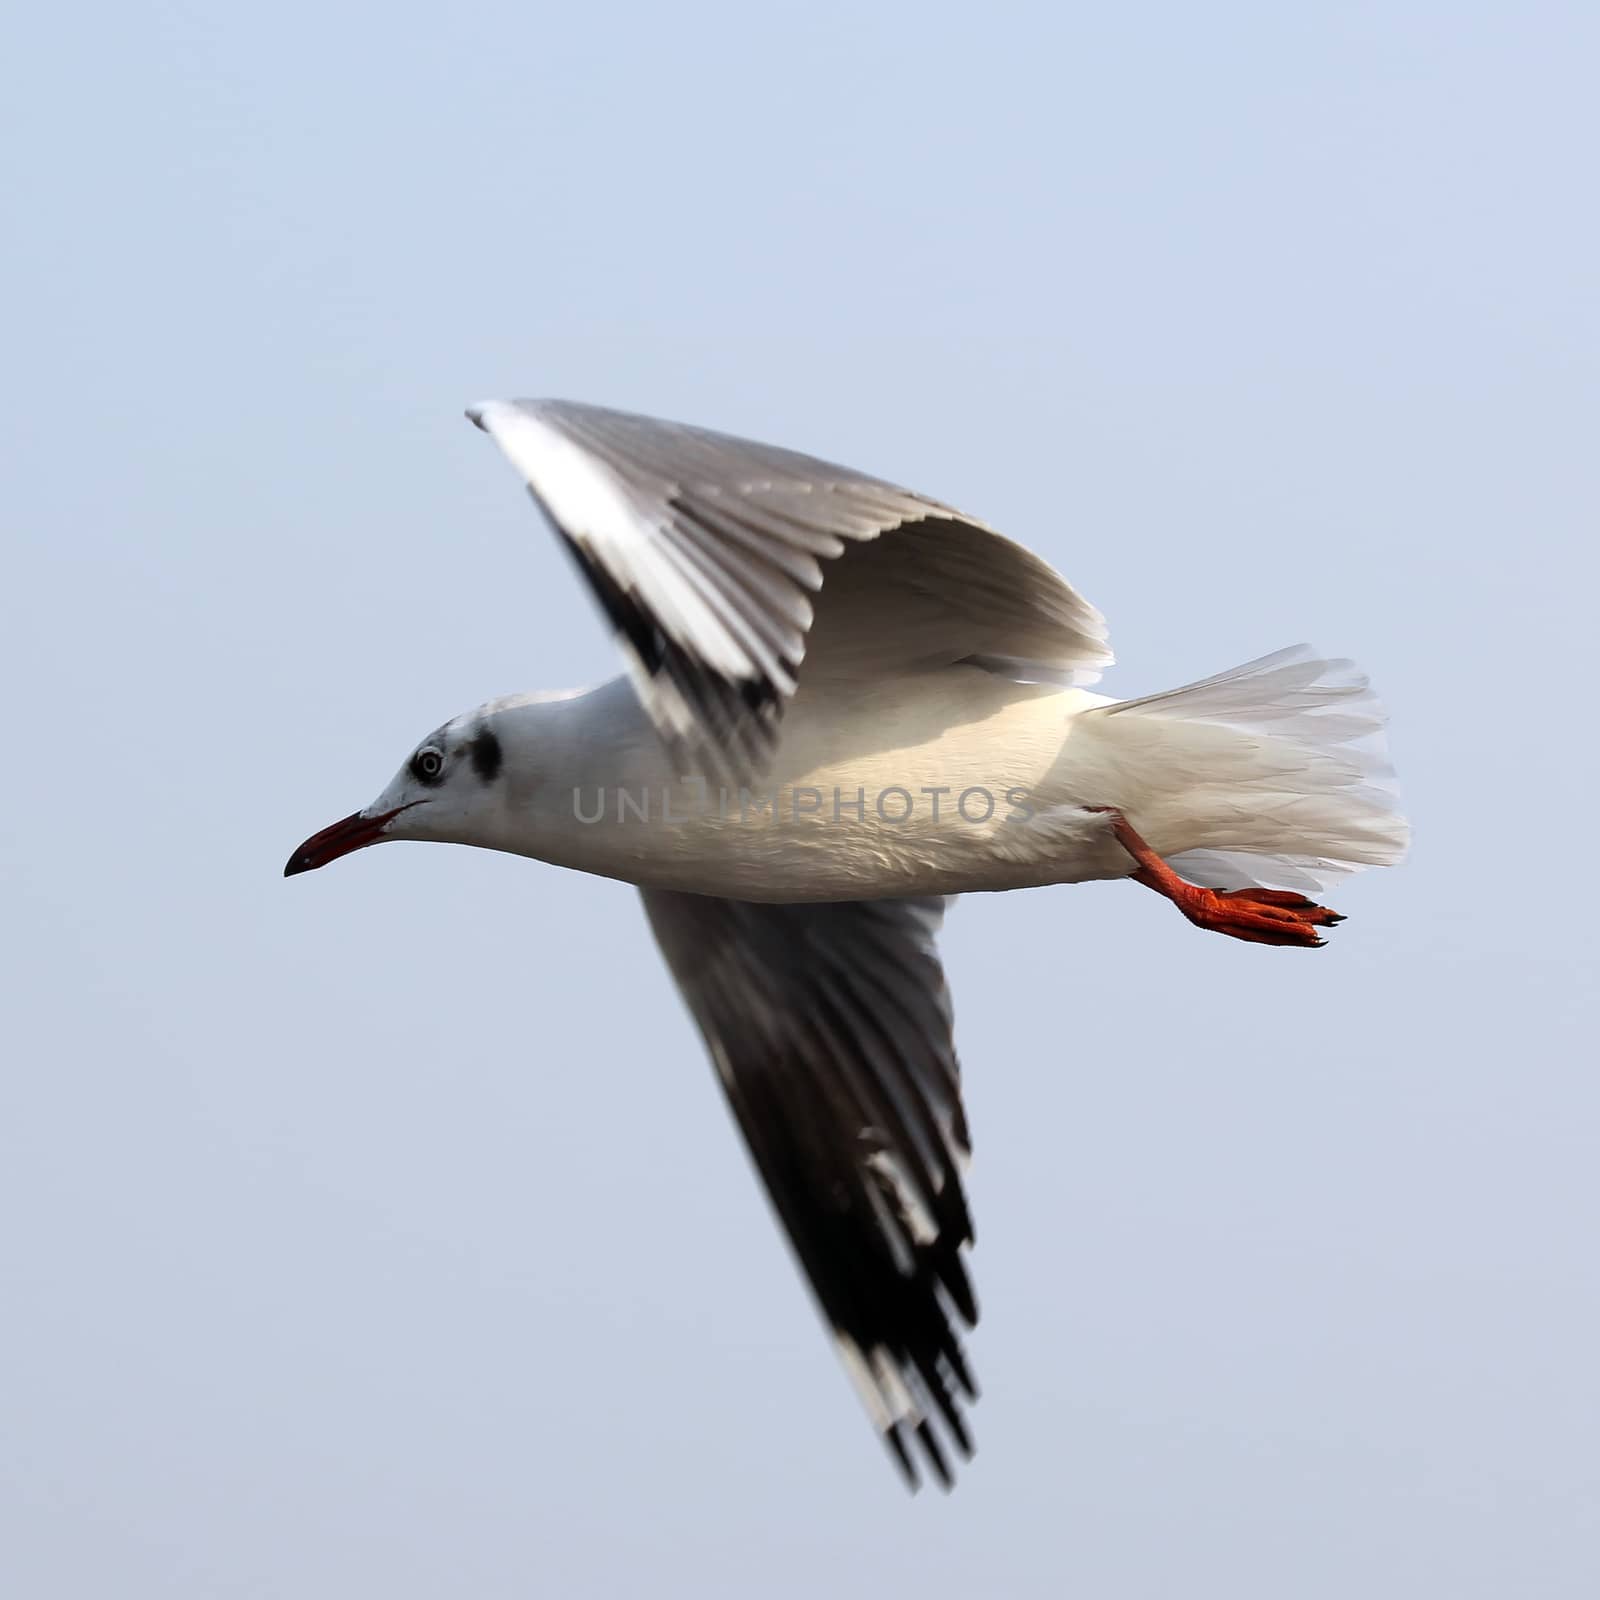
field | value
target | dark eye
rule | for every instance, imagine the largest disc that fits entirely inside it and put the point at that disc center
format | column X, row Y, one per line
column 427, row 764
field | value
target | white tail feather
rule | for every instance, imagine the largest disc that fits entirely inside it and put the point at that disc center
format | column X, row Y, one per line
column 1283, row 774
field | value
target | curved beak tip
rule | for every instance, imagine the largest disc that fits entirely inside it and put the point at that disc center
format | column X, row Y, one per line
column 302, row 861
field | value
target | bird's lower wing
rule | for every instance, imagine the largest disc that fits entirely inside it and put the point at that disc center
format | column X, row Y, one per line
column 829, row 1026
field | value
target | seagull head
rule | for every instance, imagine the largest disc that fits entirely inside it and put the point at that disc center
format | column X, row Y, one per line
column 446, row 782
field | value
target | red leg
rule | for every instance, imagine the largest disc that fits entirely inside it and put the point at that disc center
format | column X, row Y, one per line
column 1260, row 916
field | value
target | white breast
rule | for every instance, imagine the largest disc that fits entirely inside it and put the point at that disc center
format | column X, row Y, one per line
column 945, row 783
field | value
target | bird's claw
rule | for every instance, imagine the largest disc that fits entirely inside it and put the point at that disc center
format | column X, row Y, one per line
column 1258, row 916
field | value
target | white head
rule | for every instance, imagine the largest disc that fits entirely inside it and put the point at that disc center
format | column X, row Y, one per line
column 450, row 788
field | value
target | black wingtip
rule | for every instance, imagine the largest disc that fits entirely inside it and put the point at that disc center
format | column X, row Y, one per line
column 902, row 1457
column 929, row 1441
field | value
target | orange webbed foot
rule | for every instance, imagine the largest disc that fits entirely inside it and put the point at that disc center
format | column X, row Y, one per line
column 1258, row 916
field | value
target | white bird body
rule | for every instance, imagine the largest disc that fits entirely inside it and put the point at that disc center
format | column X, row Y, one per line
column 959, row 782
column 846, row 702
column 827, row 822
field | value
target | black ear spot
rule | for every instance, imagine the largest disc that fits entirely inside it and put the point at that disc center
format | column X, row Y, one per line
column 487, row 756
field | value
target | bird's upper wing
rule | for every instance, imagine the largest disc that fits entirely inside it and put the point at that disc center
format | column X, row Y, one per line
column 829, row 1025
column 706, row 552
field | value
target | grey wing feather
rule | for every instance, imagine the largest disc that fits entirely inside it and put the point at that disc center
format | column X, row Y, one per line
column 709, row 554
column 830, row 1029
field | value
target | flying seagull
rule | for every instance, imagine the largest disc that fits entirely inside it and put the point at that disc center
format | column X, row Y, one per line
column 846, row 702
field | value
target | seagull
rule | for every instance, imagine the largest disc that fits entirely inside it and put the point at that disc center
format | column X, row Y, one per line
column 845, row 703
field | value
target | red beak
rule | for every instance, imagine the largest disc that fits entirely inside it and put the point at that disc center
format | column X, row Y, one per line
column 354, row 832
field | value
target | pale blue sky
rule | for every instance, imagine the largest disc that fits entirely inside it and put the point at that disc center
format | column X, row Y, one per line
column 382, row 1232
